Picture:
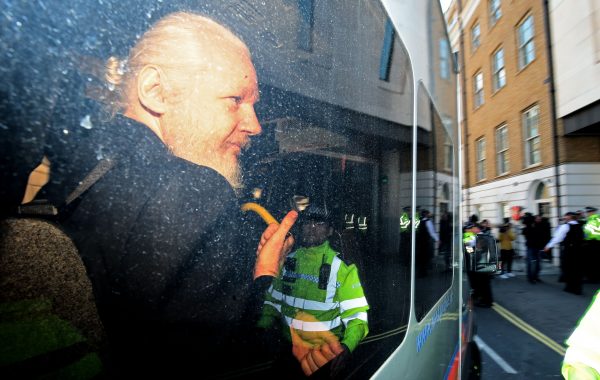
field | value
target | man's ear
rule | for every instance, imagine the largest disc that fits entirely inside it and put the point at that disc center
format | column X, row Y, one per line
column 151, row 89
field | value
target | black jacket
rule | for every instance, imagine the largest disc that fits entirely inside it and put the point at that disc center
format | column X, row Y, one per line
column 161, row 241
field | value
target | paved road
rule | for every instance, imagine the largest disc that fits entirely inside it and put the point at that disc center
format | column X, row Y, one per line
column 523, row 336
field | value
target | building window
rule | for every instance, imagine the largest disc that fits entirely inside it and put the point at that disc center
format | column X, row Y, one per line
column 475, row 35
column 385, row 59
column 306, row 24
column 532, row 136
column 448, row 153
column 478, row 89
column 499, row 74
column 502, row 150
column 495, row 12
column 526, row 44
column 444, row 59
column 480, row 154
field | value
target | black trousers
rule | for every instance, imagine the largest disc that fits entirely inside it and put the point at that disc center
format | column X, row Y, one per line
column 573, row 271
column 592, row 260
column 506, row 256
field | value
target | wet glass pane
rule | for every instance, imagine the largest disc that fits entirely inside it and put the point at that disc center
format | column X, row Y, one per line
column 333, row 134
column 434, row 263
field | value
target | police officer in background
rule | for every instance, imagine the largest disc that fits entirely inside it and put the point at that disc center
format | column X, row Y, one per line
column 570, row 236
column 480, row 282
column 425, row 237
column 591, row 230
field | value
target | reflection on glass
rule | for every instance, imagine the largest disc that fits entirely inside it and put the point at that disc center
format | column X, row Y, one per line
column 337, row 133
column 434, row 264
column 333, row 128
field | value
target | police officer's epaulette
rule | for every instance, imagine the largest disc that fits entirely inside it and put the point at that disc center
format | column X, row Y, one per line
column 345, row 259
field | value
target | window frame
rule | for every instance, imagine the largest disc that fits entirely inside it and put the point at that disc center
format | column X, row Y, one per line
column 480, row 159
column 495, row 11
column 502, row 149
column 478, row 92
column 475, row 42
column 498, row 73
column 522, row 46
column 530, row 140
column 306, row 25
column 448, row 153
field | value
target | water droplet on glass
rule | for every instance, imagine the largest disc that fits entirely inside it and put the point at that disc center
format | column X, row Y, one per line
column 86, row 122
column 111, row 87
column 66, row 131
column 19, row 24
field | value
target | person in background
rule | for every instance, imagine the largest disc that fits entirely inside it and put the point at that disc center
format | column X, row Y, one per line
column 534, row 236
column 506, row 237
column 317, row 300
column 425, row 238
column 570, row 234
column 485, row 227
column 480, row 282
column 446, row 238
column 591, row 230
column 544, row 233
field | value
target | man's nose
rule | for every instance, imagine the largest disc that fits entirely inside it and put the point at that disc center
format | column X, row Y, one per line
column 250, row 123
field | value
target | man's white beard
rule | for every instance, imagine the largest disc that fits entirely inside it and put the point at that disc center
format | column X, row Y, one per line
column 197, row 147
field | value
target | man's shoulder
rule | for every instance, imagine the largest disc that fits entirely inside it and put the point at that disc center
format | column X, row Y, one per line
column 197, row 178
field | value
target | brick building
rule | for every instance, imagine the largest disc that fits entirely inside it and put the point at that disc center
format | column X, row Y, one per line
column 530, row 119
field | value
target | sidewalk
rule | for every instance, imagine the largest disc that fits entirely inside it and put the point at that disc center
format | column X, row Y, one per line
column 543, row 305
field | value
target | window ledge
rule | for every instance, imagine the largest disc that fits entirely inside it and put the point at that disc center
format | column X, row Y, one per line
column 519, row 70
column 532, row 166
column 498, row 90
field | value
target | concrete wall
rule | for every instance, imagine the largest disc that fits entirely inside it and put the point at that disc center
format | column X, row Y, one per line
column 576, row 51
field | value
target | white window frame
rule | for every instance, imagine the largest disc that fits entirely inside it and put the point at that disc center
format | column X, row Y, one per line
column 478, row 94
column 495, row 11
column 480, row 157
column 531, row 136
column 475, row 38
column 498, row 70
column 502, row 163
column 526, row 42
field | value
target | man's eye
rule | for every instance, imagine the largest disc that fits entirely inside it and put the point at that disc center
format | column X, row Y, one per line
column 236, row 99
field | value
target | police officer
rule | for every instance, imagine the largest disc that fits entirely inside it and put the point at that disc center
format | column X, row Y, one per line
column 480, row 282
column 591, row 230
column 582, row 358
column 570, row 235
column 318, row 298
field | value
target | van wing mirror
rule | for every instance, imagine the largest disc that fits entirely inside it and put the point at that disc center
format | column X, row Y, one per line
column 482, row 256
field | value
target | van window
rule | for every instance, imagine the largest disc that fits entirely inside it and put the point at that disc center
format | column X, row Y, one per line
column 331, row 128
column 434, row 263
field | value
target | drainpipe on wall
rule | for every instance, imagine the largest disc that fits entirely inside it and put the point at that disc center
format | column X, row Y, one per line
column 463, row 72
column 552, row 93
